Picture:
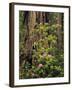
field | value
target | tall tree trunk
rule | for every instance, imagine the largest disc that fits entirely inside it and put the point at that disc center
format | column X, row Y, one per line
column 30, row 23
column 59, row 22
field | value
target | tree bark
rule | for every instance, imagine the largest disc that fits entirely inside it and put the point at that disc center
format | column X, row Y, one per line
column 59, row 22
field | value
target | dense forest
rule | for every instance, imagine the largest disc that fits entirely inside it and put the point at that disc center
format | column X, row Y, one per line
column 41, row 44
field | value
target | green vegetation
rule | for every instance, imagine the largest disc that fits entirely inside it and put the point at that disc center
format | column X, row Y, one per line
column 41, row 47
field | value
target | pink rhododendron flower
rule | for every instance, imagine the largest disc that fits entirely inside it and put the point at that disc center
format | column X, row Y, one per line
column 44, row 54
column 49, row 56
column 40, row 65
